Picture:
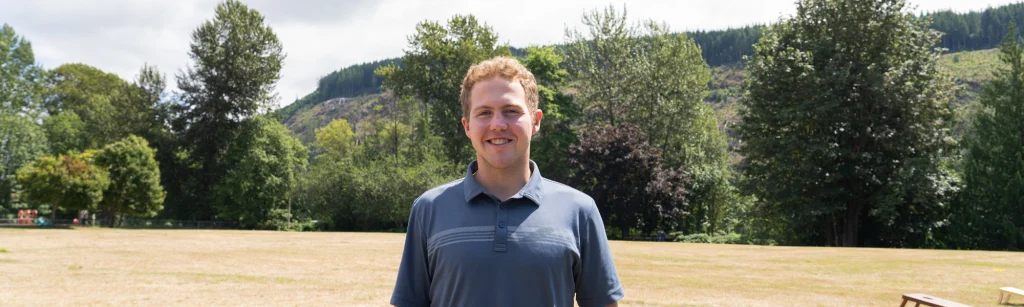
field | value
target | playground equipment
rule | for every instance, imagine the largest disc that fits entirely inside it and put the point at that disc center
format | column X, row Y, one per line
column 26, row 217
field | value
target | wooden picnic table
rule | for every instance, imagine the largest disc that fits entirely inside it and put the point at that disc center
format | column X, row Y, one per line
column 1008, row 291
column 928, row 300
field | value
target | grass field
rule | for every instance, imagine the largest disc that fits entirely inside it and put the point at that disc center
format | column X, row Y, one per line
column 200, row 267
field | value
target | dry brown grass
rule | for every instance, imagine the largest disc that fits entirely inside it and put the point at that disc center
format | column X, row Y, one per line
column 190, row 267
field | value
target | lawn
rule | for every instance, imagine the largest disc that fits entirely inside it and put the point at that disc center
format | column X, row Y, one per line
column 217, row 267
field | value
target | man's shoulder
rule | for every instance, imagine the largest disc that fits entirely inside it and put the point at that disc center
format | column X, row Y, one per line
column 444, row 191
column 567, row 195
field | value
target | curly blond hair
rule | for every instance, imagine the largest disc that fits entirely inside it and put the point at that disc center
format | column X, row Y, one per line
column 506, row 68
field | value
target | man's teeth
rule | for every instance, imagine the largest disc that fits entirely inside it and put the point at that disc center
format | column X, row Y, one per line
column 499, row 141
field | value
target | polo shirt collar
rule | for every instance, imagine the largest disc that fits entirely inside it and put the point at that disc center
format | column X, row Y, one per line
column 531, row 191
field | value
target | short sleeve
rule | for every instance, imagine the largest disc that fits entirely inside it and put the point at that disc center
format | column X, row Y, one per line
column 597, row 282
column 413, row 284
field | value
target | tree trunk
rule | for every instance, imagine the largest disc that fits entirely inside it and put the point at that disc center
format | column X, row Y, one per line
column 851, row 223
column 829, row 224
column 53, row 213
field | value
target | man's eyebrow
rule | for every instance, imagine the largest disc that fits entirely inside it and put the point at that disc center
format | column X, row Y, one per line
column 481, row 107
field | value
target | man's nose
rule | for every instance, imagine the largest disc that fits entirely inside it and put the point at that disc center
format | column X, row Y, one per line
column 498, row 123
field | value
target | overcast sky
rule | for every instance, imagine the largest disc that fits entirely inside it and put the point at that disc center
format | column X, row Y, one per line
column 321, row 36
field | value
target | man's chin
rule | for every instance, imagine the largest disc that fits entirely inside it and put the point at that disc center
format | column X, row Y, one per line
column 501, row 162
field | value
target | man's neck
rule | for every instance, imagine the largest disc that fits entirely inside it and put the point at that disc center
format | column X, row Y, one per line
column 502, row 183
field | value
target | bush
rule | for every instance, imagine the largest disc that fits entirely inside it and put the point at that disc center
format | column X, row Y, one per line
column 719, row 238
column 277, row 219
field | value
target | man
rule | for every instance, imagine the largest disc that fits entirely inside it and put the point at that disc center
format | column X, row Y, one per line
column 504, row 235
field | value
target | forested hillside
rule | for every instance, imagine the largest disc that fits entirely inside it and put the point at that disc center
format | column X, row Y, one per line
column 963, row 32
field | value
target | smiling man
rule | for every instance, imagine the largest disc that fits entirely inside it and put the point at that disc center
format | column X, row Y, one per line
column 504, row 235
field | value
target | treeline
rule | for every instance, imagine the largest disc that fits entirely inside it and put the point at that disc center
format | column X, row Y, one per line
column 844, row 133
column 976, row 30
column 962, row 32
column 350, row 81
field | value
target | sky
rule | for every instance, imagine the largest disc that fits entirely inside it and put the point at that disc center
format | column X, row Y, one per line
column 321, row 36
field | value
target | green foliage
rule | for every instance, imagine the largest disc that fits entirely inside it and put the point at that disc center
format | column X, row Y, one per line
column 846, row 113
column 282, row 220
column 69, row 182
column 434, row 65
column 990, row 214
column 549, row 148
column 305, row 121
column 352, row 81
column 21, row 141
column 66, row 132
column 644, row 75
column 134, row 175
column 976, row 30
column 722, row 238
column 236, row 62
column 624, row 174
column 21, row 90
column 21, row 86
column 336, row 138
column 724, row 47
column 94, row 96
column 371, row 186
column 263, row 164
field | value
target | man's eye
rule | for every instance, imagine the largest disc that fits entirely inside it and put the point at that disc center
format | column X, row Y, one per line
column 484, row 113
column 512, row 111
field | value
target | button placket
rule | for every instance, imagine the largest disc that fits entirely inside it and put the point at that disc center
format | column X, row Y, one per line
column 500, row 230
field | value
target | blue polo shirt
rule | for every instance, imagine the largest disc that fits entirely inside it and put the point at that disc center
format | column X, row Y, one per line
column 541, row 247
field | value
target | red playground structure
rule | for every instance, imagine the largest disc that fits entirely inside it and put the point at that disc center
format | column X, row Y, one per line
column 25, row 217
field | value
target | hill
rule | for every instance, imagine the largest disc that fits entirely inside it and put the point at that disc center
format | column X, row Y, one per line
column 970, row 68
column 963, row 32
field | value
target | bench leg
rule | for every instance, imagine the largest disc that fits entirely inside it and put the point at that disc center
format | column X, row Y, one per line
column 1000, row 302
column 904, row 303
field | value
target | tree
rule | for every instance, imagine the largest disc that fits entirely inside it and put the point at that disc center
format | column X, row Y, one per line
column 94, row 96
column 21, row 88
column 70, row 182
column 134, row 175
column 336, row 138
column 21, row 142
column 144, row 111
column 991, row 213
column 263, row 164
column 432, row 72
column 550, row 148
column 645, row 75
column 844, row 103
column 623, row 173
column 21, row 83
column 236, row 63
column 368, row 182
column 66, row 132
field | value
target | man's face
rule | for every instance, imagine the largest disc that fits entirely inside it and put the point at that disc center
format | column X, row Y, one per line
column 499, row 123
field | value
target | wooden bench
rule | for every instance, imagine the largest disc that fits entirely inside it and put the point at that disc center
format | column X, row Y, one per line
column 1008, row 291
column 929, row 300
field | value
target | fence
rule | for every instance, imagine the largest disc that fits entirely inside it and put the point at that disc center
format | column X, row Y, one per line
column 141, row 224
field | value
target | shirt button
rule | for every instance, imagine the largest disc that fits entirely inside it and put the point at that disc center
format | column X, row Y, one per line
column 502, row 206
column 501, row 224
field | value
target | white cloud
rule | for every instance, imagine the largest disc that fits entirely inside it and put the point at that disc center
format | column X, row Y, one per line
column 320, row 36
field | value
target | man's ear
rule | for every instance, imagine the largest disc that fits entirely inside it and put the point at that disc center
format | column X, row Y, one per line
column 538, row 115
column 465, row 126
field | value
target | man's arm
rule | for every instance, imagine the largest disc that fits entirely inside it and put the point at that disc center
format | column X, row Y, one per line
column 597, row 282
column 413, row 283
